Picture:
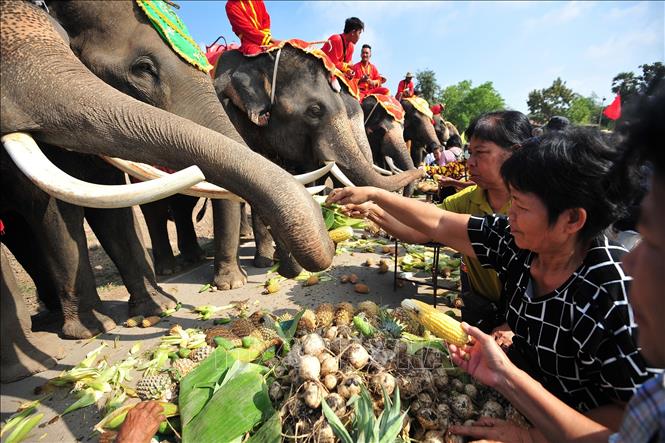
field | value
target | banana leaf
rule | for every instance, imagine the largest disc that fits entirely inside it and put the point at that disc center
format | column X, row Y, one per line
column 234, row 409
column 269, row 432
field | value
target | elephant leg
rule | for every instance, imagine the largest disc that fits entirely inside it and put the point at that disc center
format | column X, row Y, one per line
column 265, row 251
column 22, row 244
column 156, row 216
column 23, row 352
column 181, row 208
column 117, row 231
column 246, row 221
column 226, row 218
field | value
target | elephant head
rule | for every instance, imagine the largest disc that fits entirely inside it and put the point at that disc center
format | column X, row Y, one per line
column 48, row 92
column 419, row 129
column 302, row 119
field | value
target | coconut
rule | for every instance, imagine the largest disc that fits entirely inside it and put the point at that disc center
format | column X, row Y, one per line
column 492, row 409
column 425, row 398
column 312, row 394
column 350, row 386
column 462, row 406
column 324, row 434
column 357, row 356
column 330, row 381
column 313, row 344
column 337, row 404
column 428, row 418
column 440, row 378
column 329, row 365
column 457, row 385
column 331, row 333
column 471, row 391
column 381, row 381
column 434, row 437
column 310, row 368
column 407, row 387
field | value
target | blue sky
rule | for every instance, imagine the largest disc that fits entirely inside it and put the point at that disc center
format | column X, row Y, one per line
column 518, row 45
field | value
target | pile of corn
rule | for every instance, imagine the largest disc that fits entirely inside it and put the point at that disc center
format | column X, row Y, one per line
column 456, row 170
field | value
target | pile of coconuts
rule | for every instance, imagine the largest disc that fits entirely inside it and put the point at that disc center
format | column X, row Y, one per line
column 332, row 363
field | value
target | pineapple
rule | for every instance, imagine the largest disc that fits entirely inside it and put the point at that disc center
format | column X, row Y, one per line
column 223, row 332
column 344, row 314
column 181, row 367
column 285, row 317
column 200, row 354
column 155, row 387
column 242, row 327
column 410, row 322
column 307, row 322
column 324, row 315
column 370, row 308
column 258, row 317
column 266, row 333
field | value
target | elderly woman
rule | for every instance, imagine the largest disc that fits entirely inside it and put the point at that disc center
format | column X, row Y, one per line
column 562, row 278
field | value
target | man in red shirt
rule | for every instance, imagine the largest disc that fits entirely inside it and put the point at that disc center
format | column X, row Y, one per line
column 251, row 23
column 339, row 47
column 369, row 79
column 406, row 88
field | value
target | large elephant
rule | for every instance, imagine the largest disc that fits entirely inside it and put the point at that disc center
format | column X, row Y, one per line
column 48, row 92
column 444, row 129
column 419, row 129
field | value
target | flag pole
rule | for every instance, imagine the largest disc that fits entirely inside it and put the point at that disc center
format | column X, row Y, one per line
column 600, row 116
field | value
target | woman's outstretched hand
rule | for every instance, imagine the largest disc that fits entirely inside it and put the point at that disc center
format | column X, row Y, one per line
column 484, row 360
column 493, row 429
column 345, row 196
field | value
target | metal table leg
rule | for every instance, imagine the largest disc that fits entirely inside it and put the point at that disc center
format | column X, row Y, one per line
column 395, row 273
column 435, row 271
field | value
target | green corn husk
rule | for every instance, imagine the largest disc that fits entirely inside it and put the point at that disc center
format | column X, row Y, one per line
column 20, row 415
column 365, row 328
column 23, row 428
column 221, row 321
column 249, row 341
column 87, row 397
column 224, row 343
column 116, row 418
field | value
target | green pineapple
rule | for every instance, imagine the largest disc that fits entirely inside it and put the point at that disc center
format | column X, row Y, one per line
column 155, row 387
column 200, row 354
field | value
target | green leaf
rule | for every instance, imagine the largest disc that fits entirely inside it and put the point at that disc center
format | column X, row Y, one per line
column 236, row 408
column 328, row 218
column 335, row 423
column 89, row 397
column 24, row 427
column 205, row 287
column 269, row 432
column 16, row 418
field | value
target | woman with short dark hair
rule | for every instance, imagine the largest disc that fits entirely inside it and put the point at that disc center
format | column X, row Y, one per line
column 562, row 278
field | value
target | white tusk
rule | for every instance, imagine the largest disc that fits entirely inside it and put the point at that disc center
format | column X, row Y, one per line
column 339, row 175
column 391, row 165
column 309, row 177
column 27, row 156
column 380, row 170
column 315, row 189
column 145, row 172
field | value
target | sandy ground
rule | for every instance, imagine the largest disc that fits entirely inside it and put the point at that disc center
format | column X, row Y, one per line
column 77, row 426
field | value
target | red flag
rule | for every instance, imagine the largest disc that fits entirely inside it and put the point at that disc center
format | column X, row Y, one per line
column 613, row 111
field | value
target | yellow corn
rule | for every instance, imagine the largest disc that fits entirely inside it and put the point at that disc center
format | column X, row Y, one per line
column 440, row 324
column 134, row 321
column 150, row 321
column 341, row 234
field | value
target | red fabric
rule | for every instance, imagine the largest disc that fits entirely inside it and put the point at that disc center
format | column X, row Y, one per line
column 340, row 51
column 392, row 106
column 436, row 109
column 2, row 227
column 251, row 23
column 373, row 74
column 402, row 86
column 215, row 51
column 613, row 111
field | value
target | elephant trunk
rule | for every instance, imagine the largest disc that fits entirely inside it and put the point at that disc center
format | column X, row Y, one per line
column 394, row 146
column 64, row 104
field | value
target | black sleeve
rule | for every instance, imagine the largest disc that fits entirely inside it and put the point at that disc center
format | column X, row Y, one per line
column 491, row 241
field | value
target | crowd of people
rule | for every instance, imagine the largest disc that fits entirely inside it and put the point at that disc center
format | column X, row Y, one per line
column 564, row 322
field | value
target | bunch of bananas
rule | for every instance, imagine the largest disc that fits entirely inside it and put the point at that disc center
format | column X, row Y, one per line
column 456, row 170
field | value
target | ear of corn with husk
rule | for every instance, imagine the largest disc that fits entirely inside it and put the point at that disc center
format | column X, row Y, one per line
column 440, row 324
column 341, row 234
column 116, row 418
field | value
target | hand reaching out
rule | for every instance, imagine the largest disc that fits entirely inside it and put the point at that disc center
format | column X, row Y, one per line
column 493, row 429
column 141, row 423
column 356, row 195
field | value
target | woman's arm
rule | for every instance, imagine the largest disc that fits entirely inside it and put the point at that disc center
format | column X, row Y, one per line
column 435, row 224
column 387, row 222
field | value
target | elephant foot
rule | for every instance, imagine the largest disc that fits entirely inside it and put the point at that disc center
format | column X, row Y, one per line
column 193, row 255
column 165, row 266
column 30, row 356
column 262, row 261
column 229, row 277
column 155, row 303
column 87, row 325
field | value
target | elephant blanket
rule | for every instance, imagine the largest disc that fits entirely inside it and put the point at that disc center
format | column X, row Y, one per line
column 421, row 105
column 391, row 105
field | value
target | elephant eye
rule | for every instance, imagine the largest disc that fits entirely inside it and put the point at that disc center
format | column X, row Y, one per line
column 315, row 111
column 144, row 65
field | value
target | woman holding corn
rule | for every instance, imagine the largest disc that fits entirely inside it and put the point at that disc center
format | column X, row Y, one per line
column 563, row 282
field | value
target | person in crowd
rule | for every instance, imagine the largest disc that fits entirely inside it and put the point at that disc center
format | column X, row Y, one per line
column 454, row 144
column 141, row 423
column 369, row 79
column 563, row 282
column 557, row 123
column 644, row 419
column 405, row 88
column 339, row 47
column 251, row 23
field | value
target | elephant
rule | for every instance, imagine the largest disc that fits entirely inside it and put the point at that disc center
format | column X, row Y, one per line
column 444, row 129
column 48, row 92
column 419, row 129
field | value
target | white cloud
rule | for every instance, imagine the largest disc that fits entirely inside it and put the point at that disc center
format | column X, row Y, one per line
column 637, row 10
column 619, row 45
column 564, row 14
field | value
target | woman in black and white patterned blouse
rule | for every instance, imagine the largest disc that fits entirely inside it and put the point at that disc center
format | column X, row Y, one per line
column 564, row 285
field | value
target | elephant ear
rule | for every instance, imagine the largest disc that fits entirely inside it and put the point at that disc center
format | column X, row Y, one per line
column 249, row 90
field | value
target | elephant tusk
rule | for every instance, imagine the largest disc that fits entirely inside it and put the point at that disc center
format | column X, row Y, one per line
column 27, row 156
column 315, row 189
column 391, row 165
column 382, row 171
column 145, row 172
column 309, row 177
column 339, row 175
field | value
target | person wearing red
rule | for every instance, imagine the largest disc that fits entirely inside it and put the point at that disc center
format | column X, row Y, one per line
column 369, row 79
column 405, row 88
column 339, row 47
column 251, row 23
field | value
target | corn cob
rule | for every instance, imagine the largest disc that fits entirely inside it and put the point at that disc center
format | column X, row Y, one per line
column 150, row 321
column 134, row 321
column 341, row 234
column 437, row 322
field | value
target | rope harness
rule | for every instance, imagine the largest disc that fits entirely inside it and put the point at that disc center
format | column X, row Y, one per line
column 273, row 85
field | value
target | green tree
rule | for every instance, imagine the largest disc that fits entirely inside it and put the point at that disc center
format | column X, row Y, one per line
column 465, row 102
column 555, row 100
column 426, row 83
column 584, row 110
column 628, row 84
